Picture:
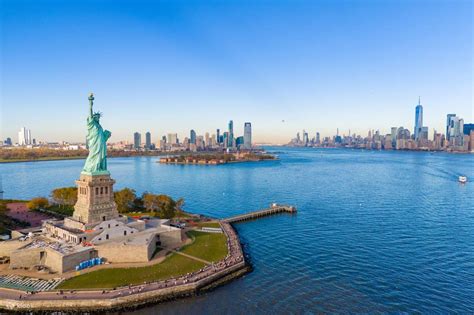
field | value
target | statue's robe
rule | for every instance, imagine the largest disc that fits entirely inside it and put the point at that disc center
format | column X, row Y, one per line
column 97, row 142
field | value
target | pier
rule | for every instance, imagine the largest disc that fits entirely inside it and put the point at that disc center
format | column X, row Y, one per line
column 274, row 209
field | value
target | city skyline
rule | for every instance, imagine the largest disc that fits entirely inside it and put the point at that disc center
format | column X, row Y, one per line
column 287, row 66
column 425, row 131
column 459, row 137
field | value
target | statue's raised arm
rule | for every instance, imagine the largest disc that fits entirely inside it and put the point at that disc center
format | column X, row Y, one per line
column 91, row 103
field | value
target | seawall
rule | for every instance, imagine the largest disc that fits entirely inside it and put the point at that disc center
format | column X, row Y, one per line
column 99, row 305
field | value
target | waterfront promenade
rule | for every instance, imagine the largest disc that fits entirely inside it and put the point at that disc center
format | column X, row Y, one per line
column 233, row 265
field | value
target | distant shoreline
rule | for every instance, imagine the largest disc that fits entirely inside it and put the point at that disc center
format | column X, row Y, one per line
column 378, row 150
column 43, row 159
column 60, row 158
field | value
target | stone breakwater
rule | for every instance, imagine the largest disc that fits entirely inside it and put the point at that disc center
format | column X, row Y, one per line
column 232, row 266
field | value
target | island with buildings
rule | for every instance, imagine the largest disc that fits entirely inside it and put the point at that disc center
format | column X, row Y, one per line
column 217, row 158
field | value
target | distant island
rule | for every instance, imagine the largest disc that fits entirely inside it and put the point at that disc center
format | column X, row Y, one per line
column 217, row 158
column 12, row 155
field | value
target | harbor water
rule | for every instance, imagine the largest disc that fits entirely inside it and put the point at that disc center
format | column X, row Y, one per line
column 376, row 231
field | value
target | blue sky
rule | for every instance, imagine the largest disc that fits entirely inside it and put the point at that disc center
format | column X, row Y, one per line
column 169, row 66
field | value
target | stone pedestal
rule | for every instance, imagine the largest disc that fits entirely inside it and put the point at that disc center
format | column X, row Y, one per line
column 95, row 201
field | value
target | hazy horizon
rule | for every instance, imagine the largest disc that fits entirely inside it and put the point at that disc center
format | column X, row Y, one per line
column 168, row 67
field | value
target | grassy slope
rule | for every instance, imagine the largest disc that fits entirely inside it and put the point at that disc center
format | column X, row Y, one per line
column 209, row 224
column 208, row 246
column 173, row 265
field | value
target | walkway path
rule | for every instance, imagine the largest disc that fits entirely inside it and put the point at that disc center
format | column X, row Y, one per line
column 192, row 257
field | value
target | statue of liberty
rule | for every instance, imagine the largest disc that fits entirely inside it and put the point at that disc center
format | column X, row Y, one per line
column 96, row 163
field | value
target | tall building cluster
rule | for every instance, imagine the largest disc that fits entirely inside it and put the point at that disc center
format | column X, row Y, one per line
column 138, row 144
column 459, row 137
column 24, row 137
column 194, row 142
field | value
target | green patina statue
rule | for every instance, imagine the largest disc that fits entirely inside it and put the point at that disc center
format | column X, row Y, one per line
column 96, row 163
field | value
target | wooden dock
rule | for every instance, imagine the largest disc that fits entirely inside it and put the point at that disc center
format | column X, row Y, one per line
column 274, row 209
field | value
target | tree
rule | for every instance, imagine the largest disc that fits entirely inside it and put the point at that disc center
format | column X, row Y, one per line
column 179, row 205
column 66, row 196
column 124, row 199
column 137, row 204
column 168, row 211
column 37, row 203
column 150, row 201
column 167, row 206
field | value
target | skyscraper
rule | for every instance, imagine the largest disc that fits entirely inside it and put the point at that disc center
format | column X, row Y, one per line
column 306, row 138
column 137, row 140
column 24, row 136
column 239, row 141
column 148, row 140
column 418, row 120
column 200, row 142
column 225, row 139
column 423, row 133
column 394, row 136
column 192, row 136
column 172, row 138
column 468, row 128
column 218, row 136
column 230, row 139
column 207, row 140
column 449, row 125
column 247, row 136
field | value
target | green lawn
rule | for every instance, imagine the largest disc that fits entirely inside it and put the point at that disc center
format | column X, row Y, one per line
column 209, row 224
column 173, row 265
column 208, row 246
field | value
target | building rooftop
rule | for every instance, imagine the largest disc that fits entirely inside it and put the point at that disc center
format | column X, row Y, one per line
column 63, row 248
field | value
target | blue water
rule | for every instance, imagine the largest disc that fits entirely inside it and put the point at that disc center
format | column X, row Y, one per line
column 375, row 231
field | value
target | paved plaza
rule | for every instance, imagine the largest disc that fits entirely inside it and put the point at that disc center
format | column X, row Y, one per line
column 19, row 211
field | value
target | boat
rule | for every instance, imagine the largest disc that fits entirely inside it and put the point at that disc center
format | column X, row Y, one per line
column 462, row 179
